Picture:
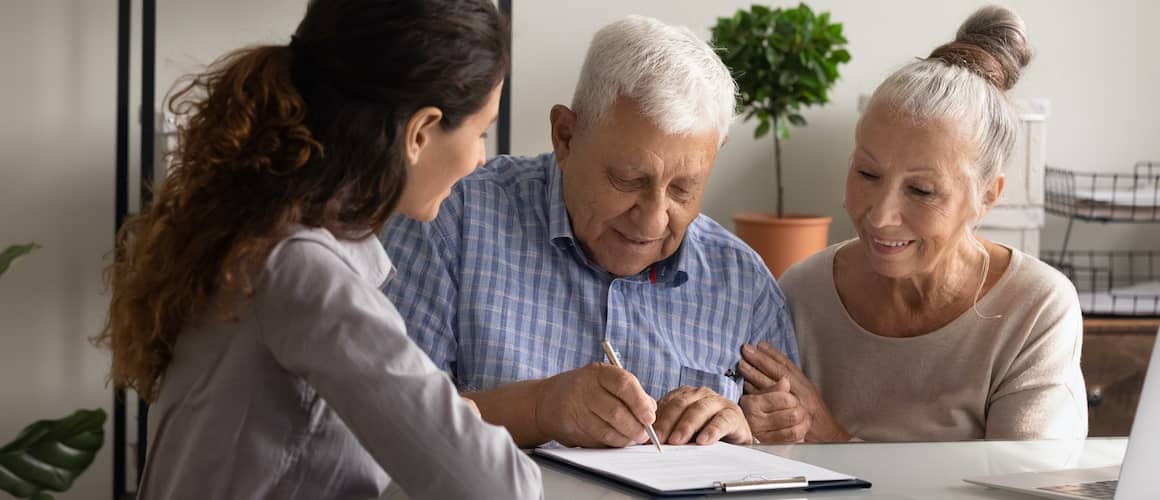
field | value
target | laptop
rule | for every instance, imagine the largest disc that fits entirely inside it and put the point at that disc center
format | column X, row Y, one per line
column 1130, row 481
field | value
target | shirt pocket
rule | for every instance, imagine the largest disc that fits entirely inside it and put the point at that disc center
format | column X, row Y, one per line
column 720, row 383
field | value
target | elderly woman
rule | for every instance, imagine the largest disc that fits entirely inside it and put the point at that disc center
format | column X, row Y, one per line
column 919, row 329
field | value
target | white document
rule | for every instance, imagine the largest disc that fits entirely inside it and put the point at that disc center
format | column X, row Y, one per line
column 688, row 467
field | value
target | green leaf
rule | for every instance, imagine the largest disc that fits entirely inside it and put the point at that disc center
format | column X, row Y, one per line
column 783, row 129
column 14, row 252
column 50, row 454
column 761, row 94
column 834, row 31
column 823, row 78
column 810, row 81
column 762, row 128
column 786, row 78
column 830, row 70
column 783, row 59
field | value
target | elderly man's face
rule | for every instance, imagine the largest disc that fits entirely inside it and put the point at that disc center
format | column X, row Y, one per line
column 630, row 189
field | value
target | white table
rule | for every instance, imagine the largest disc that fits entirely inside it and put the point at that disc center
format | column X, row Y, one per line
column 899, row 471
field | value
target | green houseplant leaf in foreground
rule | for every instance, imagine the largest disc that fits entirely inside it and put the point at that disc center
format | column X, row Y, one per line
column 49, row 454
column 14, row 252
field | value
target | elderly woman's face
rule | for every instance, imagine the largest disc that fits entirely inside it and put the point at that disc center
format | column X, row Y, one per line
column 630, row 189
column 907, row 192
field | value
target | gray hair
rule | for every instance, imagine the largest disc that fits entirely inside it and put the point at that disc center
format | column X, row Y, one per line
column 965, row 82
column 677, row 79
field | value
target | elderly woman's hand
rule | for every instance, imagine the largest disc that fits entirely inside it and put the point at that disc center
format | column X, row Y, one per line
column 776, row 416
column 767, row 370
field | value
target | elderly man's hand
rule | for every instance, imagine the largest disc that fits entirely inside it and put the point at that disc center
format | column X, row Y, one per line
column 687, row 412
column 776, row 416
column 595, row 406
column 764, row 368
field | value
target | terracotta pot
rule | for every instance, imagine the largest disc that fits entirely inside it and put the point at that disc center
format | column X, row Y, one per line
column 783, row 242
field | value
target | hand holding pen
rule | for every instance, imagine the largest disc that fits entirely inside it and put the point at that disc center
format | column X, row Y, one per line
column 594, row 406
column 615, row 360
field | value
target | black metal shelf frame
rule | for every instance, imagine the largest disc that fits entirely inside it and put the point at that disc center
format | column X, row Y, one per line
column 1110, row 282
column 1103, row 197
column 148, row 47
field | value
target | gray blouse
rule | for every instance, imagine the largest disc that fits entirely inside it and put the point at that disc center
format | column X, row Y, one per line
column 316, row 390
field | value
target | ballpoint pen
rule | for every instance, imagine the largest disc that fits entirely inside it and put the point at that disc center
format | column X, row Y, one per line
column 652, row 434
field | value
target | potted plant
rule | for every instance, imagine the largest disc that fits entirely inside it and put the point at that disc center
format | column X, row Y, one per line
column 48, row 455
column 783, row 59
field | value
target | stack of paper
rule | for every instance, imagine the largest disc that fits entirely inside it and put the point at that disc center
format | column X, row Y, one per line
column 692, row 468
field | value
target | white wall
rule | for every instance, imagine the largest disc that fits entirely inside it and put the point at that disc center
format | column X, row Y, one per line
column 57, row 138
column 1096, row 64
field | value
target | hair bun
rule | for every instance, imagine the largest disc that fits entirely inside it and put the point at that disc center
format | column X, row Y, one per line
column 992, row 43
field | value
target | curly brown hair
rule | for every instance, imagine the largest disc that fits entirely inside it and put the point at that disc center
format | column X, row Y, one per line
column 276, row 136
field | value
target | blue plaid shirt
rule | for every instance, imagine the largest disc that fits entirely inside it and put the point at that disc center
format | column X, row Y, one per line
column 497, row 289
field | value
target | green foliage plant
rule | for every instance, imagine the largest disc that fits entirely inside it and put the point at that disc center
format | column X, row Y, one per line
column 783, row 60
column 48, row 455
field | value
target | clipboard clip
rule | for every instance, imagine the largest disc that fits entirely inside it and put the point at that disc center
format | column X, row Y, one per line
column 758, row 482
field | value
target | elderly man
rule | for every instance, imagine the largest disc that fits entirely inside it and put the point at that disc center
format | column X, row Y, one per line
column 533, row 262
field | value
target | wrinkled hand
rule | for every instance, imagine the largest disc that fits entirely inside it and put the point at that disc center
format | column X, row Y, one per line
column 595, row 406
column 686, row 412
column 776, row 416
column 764, row 367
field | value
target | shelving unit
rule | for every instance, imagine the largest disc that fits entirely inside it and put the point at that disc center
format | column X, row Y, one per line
column 1119, row 290
column 1110, row 282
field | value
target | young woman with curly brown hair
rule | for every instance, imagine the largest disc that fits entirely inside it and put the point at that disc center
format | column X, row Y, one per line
column 245, row 300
